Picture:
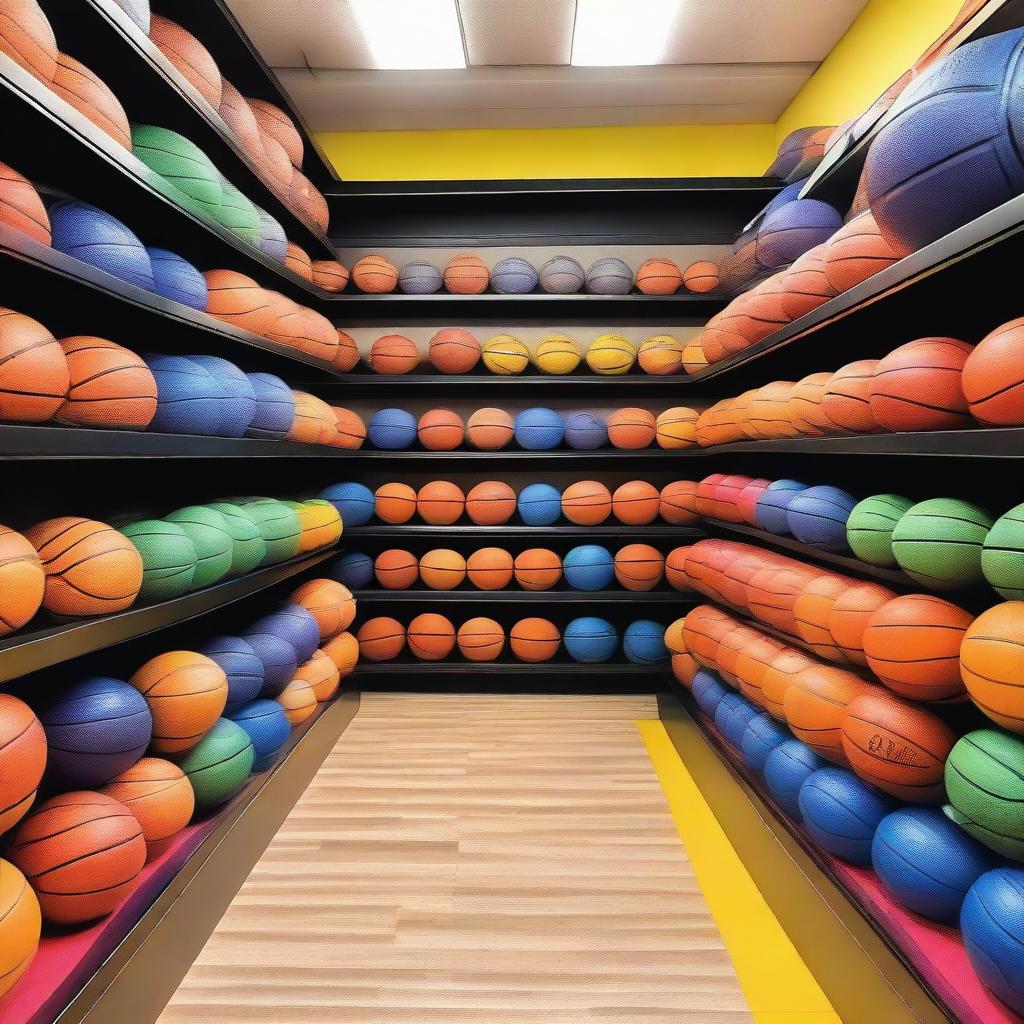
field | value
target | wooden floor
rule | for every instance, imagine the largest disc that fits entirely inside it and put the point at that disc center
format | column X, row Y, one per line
column 457, row 859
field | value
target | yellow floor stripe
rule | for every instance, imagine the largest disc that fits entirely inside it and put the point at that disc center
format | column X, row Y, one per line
column 778, row 986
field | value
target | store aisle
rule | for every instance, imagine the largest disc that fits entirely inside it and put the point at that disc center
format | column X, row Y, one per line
column 467, row 859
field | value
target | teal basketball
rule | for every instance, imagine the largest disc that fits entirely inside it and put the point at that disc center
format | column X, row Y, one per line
column 1002, row 558
column 209, row 532
column 238, row 215
column 168, row 558
column 869, row 528
column 248, row 549
column 219, row 764
column 279, row 526
column 182, row 164
column 939, row 543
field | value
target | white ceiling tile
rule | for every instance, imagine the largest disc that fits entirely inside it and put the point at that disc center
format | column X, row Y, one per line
column 518, row 31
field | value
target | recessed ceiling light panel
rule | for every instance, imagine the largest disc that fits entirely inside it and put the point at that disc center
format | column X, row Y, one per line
column 622, row 33
column 409, row 35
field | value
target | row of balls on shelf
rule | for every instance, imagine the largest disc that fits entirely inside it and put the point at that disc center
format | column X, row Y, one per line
column 75, row 567
column 133, row 762
column 587, row 639
column 467, row 274
column 938, row 864
column 493, row 503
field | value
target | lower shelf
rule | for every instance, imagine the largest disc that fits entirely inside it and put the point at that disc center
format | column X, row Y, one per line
column 438, row 598
column 505, row 668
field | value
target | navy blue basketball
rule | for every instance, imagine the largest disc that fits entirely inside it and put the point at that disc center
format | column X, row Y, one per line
column 293, row 623
column 841, row 813
column 190, row 400
column 279, row 661
column 275, row 407
column 102, row 241
column 585, row 431
column 175, row 278
column 273, row 240
column 95, row 730
column 951, row 149
column 927, row 862
column 353, row 568
column 790, row 230
column 588, row 567
column 514, row 276
column 539, row 429
column 786, row 769
column 539, row 504
column 391, row 429
column 589, row 639
column 241, row 665
column 644, row 642
column 708, row 689
column 239, row 408
column 818, row 516
column 354, row 502
column 266, row 724
column 732, row 720
column 772, row 505
column 762, row 736
column 992, row 925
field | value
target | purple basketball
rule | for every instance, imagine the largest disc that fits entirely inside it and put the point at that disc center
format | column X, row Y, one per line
column 789, row 231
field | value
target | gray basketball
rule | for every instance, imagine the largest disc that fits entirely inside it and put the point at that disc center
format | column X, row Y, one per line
column 514, row 276
column 419, row 278
column 561, row 275
column 609, row 276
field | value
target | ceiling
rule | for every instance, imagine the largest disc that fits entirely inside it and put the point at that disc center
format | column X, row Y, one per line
column 724, row 61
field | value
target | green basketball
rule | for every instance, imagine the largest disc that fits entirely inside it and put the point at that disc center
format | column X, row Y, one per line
column 869, row 528
column 181, row 163
column 1002, row 559
column 209, row 533
column 248, row 547
column 219, row 764
column 238, row 215
column 279, row 526
column 985, row 783
column 938, row 542
column 168, row 558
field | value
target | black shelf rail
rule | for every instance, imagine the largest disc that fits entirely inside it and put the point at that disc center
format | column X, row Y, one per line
column 610, row 529
column 407, row 667
column 440, row 598
column 25, row 652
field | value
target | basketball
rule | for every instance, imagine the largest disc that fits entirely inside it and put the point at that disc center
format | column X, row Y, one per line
column 557, row 353
column 659, row 276
column 481, row 639
column 939, row 543
column 169, row 558
column 588, row 567
column 856, row 252
column 631, row 429
column 991, row 381
column 537, row 569
column 181, row 163
column 759, row 739
column 790, row 230
column 638, row 567
column 393, row 354
column 20, row 922
column 586, row 503
column 279, row 527
column 585, row 431
column 321, row 674
column 677, row 428
column 431, row 637
column 675, row 569
column 779, row 677
column 442, row 569
column 278, row 657
column 786, row 769
column 870, row 525
column 178, row 280
column 330, row 275
column 805, row 286
column 804, row 405
column 440, row 503
column 240, row 664
column 34, row 374
column 818, row 516
column 561, row 275
column 347, row 356
column 746, row 500
column 20, row 204
column 990, row 922
column 391, row 430
column 395, row 503
column 381, row 639
column 190, row 399
column 732, row 718
column 275, row 407
column 708, row 691
column 219, row 765
column 352, row 568
column 273, row 241
column 1002, row 558
column 534, row 640
column 661, row 355
column 505, row 355
column 419, row 278
column 22, row 759
column 242, row 219
column 773, row 504
column 841, row 813
column 811, row 610
column 375, row 275
column 466, row 275
column 514, row 276
column 490, row 429
column 490, row 568
column 590, row 640
column 159, row 797
column 238, row 300
column 343, row 650
column 27, row 38
column 991, row 657
column 539, row 429
column 453, row 350
column 298, row 700
column 815, row 705
column 208, row 531
column 189, row 56
column 694, row 360
column 539, row 505
column 355, row 502
column 677, row 503
column 636, row 503
column 396, row 569
column 92, row 98
column 847, row 398
column 702, row 276
column 753, row 658
column 22, row 581
column 268, row 729
column 94, row 237
column 440, row 430
column 848, row 618
column 491, row 503
column 611, row 355
column 351, row 431
column 277, row 125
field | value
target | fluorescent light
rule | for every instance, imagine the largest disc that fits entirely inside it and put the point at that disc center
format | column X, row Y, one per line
column 620, row 33
column 406, row 35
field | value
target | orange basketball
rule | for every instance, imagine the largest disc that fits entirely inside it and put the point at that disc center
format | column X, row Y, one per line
column 674, row 639
column 466, row 274
column 394, row 503
column 279, row 126
column 22, row 759
column 631, row 429
column 440, row 503
column 811, row 610
column 238, row 116
column 375, row 275
column 275, row 163
column 381, row 639
column 815, row 706
column 703, row 629
column 731, row 645
column 635, row 503
column 678, row 503
column 586, row 503
column 186, row 693
column 442, row 569
column 329, row 602
column 22, row 582
column 856, row 252
column 330, row 275
column 491, row 503
column 694, row 360
column 702, row 276
column 350, row 431
column 297, row 260
column 20, row 925
column 26, row 37
column 849, row 616
column 764, row 313
column 991, row 659
column 34, row 376
column 308, row 426
column 490, row 568
column 847, row 398
column 658, row 276
column 396, row 569
column 298, row 700
column 160, row 797
column 20, row 205
column 189, row 56
column 238, row 300
column 752, row 664
column 805, row 285
column 347, row 356
column 896, row 746
column 705, row 501
column 684, row 668
column 321, row 674
column 108, row 386
column 80, row 852
column 675, row 568
column 677, row 428
column 343, row 650
column 779, row 676
column 534, row 639
column 431, row 637
column 993, row 380
column 91, row 569
column 481, row 639
column 453, row 350
column 537, row 569
column 639, row 567
column 306, row 331
column 768, row 411
column 913, row 644
column 92, row 98
column 441, row 430
column 393, row 354
column 308, row 199
column 490, row 429
column 804, row 406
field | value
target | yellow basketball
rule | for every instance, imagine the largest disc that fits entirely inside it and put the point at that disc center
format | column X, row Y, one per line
column 611, row 355
column 557, row 353
column 320, row 523
column 694, row 359
column 661, row 355
column 505, row 355
column 677, row 428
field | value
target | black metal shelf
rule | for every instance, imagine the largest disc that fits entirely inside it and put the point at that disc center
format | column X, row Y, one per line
column 27, row 652
column 439, row 598
column 407, row 385
column 980, row 443
column 569, row 532
column 612, row 458
column 505, row 668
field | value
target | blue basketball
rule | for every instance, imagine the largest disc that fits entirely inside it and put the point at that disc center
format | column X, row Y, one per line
column 786, row 769
column 771, row 507
column 190, row 400
column 239, row 408
column 708, row 689
column 539, row 429
column 293, row 623
column 391, row 429
column 644, row 642
column 539, row 504
column 275, row 407
column 514, row 276
column 588, row 567
column 266, row 724
column 561, row 275
column 732, row 720
column 841, row 813
column 419, row 278
column 609, row 276
column 273, row 240
column 818, row 516
column 585, row 431
column 241, row 665
column 992, row 926
column 95, row 730
column 175, row 278
column 279, row 661
column 762, row 736
column 353, row 568
column 590, row 639
column 927, row 862
column 951, row 149
column 354, row 502
column 790, row 230
column 787, row 195
column 102, row 241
